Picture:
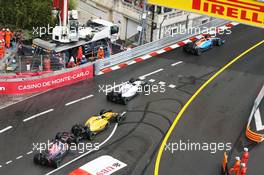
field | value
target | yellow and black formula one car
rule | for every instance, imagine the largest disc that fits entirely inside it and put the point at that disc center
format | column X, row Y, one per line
column 97, row 124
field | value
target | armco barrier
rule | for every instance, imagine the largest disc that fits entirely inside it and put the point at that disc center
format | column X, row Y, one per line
column 46, row 81
column 151, row 47
column 251, row 135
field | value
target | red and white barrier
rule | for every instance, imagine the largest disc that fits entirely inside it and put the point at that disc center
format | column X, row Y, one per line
column 166, row 49
column 38, row 84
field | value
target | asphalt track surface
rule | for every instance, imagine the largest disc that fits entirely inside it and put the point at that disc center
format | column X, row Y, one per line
column 219, row 113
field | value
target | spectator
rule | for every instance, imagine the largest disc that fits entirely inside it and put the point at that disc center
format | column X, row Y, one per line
column 84, row 60
column 1, row 50
column 71, row 63
column 28, row 66
column 122, row 46
column 19, row 36
column 61, row 62
column 129, row 48
column 8, row 36
column 79, row 55
column 100, row 53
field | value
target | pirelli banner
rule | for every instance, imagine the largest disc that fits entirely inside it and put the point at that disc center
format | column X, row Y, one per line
column 243, row 11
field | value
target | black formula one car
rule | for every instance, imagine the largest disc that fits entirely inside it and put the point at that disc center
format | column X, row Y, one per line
column 66, row 137
column 57, row 150
column 203, row 44
column 128, row 91
column 52, row 156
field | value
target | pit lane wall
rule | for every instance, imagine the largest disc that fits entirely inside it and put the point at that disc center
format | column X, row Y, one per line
column 46, row 82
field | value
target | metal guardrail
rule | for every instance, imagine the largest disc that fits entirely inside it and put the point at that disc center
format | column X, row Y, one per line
column 150, row 47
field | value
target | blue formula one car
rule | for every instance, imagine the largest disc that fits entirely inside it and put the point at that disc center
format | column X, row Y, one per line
column 203, row 44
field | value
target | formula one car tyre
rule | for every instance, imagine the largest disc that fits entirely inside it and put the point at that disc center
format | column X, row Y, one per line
column 125, row 100
column 91, row 136
column 187, row 47
column 77, row 130
column 219, row 42
column 198, row 51
column 120, row 118
column 55, row 163
column 103, row 111
column 39, row 159
column 77, row 140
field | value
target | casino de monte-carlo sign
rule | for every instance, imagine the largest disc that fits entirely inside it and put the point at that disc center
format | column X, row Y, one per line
column 249, row 12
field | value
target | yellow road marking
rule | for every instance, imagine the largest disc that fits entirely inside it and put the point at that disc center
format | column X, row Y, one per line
column 161, row 149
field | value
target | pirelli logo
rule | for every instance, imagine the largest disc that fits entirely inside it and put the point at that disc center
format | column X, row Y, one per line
column 242, row 10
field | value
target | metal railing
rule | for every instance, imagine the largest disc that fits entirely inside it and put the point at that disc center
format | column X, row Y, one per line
column 149, row 47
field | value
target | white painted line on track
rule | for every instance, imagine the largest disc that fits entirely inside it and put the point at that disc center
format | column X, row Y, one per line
column 19, row 157
column 37, row 115
column 152, row 80
column 177, row 63
column 30, row 152
column 142, row 78
column 8, row 162
column 85, row 154
column 162, row 83
column 172, row 86
column 5, row 129
column 81, row 99
column 151, row 73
